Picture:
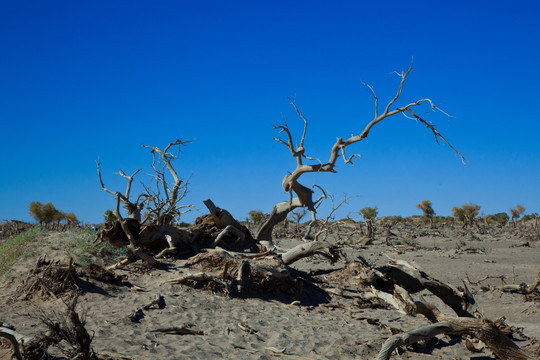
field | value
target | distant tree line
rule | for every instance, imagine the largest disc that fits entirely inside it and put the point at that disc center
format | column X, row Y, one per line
column 467, row 214
column 49, row 214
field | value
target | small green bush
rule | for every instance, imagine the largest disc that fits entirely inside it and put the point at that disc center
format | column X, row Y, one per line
column 256, row 216
column 368, row 213
column 501, row 218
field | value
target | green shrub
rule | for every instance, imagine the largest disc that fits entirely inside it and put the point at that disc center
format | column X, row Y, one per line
column 256, row 216
column 110, row 217
column 368, row 213
column 501, row 218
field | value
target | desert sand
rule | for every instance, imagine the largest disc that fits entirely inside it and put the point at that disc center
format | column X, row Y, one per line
column 318, row 326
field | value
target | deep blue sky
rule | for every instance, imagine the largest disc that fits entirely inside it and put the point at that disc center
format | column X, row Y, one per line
column 86, row 80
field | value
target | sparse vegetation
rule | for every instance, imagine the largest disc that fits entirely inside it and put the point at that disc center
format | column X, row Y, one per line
column 256, row 216
column 109, row 216
column 466, row 213
column 516, row 213
column 78, row 244
column 501, row 218
column 368, row 213
column 82, row 247
column 48, row 213
column 16, row 247
column 427, row 209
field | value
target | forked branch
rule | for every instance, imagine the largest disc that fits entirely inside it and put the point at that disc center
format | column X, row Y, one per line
column 133, row 209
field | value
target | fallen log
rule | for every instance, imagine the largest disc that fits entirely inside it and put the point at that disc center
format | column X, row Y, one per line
column 482, row 329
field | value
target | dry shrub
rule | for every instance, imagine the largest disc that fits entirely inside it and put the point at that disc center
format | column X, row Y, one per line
column 50, row 279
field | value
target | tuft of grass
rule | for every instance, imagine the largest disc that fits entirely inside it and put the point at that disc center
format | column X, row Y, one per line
column 77, row 244
column 16, row 247
column 83, row 248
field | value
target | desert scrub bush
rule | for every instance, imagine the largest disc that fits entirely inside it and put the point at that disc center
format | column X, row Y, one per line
column 256, row 216
column 427, row 210
column 501, row 218
column 368, row 213
column 516, row 213
column 16, row 247
column 466, row 213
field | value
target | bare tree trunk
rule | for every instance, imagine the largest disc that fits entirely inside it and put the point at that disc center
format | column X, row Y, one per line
column 370, row 233
column 278, row 214
column 133, row 246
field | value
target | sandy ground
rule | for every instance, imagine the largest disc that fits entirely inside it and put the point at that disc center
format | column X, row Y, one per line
column 266, row 328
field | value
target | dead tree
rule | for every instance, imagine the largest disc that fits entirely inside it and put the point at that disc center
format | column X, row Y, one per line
column 489, row 332
column 304, row 195
column 162, row 205
column 164, row 202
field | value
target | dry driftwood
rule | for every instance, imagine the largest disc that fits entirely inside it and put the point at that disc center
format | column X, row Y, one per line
column 312, row 248
column 16, row 339
column 50, row 279
column 521, row 288
column 225, row 272
column 482, row 329
column 414, row 280
column 394, row 284
column 67, row 332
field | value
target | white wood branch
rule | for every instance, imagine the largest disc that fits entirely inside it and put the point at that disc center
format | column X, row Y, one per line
column 304, row 250
column 15, row 339
column 229, row 229
column 412, row 337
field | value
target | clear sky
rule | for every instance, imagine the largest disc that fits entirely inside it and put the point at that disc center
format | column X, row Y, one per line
column 96, row 79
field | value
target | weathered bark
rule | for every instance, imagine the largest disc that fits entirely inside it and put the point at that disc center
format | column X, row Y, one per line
column 278, row 214
column 221, row 217
column 481, row 329
column 234, row 274
column 411, row 337
column 370, row 232
column 521, row 288
column 229, row 229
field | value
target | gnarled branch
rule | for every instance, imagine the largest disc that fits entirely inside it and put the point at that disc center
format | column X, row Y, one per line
column 290, row 181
